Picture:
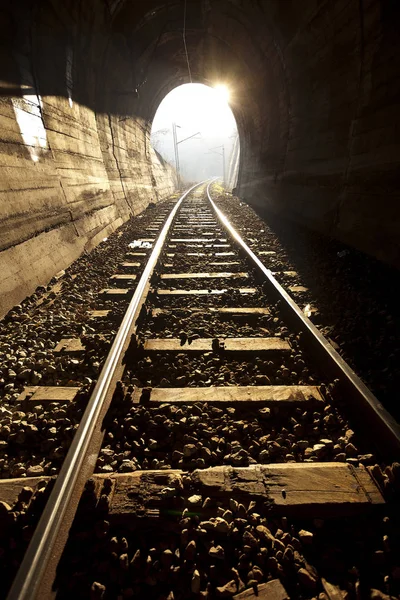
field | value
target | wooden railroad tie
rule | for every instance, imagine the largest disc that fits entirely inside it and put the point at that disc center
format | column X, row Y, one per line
column 99, row 314
column 221, row 275
column 130, row 266
column 136, row 254
column 203, row 240
column 296, row 489
column 259, row 344
column 268, row 394
column 36, row 394
column 272, row 590
column 240, row 310
column 198, row 245
column 172, row 254
column 224, row 264
column 168, row 292
column 123, row 279
column 69, row 346
column 286, row 273
column 116, row 294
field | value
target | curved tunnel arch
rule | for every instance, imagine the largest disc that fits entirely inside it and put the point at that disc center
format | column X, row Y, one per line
column 206, row 122
column 222, row 46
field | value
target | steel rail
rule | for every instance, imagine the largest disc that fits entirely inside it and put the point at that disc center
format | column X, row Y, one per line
column 385, row 431
column 41, row 549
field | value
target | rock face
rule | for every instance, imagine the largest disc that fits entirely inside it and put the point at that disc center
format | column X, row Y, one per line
column 317, row 110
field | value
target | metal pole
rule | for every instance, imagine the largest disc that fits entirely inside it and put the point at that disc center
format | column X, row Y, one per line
column 223, row 166
column 173, row 140
column 177, row 162
column 177, row 149
column 212, row 150
column 176, row 154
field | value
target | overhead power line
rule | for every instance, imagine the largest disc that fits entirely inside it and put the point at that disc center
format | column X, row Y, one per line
column 184, row 43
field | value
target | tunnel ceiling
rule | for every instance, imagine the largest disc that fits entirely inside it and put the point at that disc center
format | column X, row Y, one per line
column 222, row 46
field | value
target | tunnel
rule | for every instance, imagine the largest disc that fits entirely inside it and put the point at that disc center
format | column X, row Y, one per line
column 315, row 91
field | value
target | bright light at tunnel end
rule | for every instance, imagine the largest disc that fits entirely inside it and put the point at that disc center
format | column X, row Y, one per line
column 223, row 92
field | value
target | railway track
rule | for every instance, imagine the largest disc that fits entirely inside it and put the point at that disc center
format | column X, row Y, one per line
column 228, row 446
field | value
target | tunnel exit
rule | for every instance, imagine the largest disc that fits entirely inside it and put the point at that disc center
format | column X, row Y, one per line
column 194, row 129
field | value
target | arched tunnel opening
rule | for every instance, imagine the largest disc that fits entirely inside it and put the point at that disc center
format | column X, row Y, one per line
column 192, row 127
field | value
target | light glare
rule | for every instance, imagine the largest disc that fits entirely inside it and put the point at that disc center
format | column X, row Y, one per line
column 223, row 92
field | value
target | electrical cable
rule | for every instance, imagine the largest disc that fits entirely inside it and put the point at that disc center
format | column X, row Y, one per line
column 184, row 43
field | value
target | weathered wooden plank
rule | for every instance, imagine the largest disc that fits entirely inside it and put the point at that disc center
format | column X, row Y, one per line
column 70, row 345
column 240, row 310
column 224, row 264
column 311, row 490
column 115, row 293
column 203, row 292
column 99, row 314
column 203, row 240
column 10, row 488
column 312, row 485
column 211, row 235
column 272, row 590
column 315, row 490
column 286, row 273
column 130, row 265
column 271, row 394
column 121, row 277
column 298, row 288
column 221, row 275
column 199, row 245
column 172, row 254
column 38, row 394
column 261, row 344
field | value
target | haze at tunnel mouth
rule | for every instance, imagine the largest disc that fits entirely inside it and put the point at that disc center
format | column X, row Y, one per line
column 196, row 121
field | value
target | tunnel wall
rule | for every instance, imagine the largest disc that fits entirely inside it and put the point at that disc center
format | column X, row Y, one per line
column 339, row 118
column 70, row 175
